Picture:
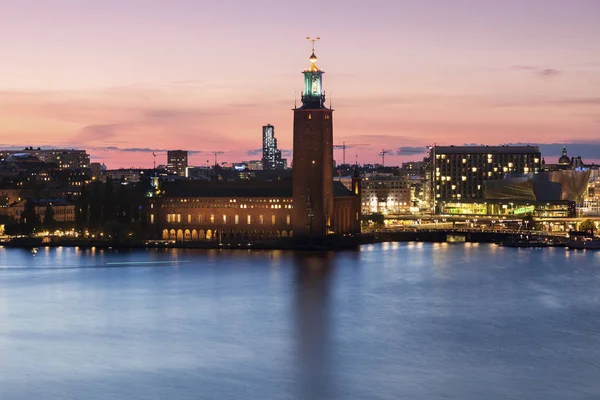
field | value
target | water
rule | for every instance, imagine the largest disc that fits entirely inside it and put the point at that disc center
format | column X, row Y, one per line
column 413, row 321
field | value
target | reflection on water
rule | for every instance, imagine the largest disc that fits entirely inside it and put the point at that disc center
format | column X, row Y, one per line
column 396, row 320
column 312, row 315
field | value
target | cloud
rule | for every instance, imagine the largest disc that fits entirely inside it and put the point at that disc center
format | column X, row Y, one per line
column 254, row 152
column 143, row 150
column 180, row 113
column 585, row 149
column 543, row 72
column 541, row 102
column 408, row 151
column 549, row 72
column 100, row 132
column 258, row 152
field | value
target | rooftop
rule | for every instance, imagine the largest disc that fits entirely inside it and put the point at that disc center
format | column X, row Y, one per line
column 486, row 149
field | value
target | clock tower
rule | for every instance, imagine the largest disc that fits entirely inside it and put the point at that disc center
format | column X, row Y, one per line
column 313, row 159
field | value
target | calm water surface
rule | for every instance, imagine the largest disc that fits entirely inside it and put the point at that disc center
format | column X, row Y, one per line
column 391, row 321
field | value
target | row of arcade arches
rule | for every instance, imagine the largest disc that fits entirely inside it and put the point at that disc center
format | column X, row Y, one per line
column 223, row 235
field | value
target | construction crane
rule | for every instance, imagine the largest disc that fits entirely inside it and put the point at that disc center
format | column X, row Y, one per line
column 216, row 153
column 345, row 146
column 382, row 153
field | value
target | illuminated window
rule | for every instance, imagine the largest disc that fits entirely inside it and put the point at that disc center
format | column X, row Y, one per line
column 237, row 219
column 272, row 219
column 151, row 218
column 474, row 169
column 224, row 218
column 189, row 219
column 261, row 219
column 249, row 219
column 288, row 219
column 179, row 218
column 199, row 218
column 212, row 218
column 464, row 178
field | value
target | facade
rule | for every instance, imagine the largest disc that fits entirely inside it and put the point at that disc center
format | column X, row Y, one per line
column 177, row 162
column 385, row 194
column 271, row 158
column 130, row 175
column 508, row 208
column 64, row 158
column 308, row 207
column 458, row 172
column 64, row 211
column 255, row 165
column 313, row 158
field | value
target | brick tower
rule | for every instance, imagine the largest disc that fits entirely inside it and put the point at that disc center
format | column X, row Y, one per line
column 313, row 159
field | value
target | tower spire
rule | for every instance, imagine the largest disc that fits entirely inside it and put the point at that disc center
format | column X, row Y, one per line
column 313, row 42
column 313, row 95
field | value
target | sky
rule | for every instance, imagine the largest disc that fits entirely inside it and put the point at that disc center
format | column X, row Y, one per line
column 121, row 78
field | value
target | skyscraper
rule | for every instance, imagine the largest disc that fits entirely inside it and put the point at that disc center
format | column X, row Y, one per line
column 271, row 158
column 177, row 162
column 313, row 158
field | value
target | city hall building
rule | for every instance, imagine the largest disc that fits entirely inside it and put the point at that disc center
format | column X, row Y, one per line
column 309, row 207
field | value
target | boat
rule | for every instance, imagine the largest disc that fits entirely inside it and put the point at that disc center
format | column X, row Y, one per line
column 456, row 238
column 583, row 241
column 524, row 241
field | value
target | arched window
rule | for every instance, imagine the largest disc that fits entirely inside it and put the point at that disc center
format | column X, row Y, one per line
column 261, row 219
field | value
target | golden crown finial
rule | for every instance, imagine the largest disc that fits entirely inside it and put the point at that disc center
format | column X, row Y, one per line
column 313, row 41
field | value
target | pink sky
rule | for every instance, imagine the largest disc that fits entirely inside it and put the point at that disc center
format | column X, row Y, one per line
column 206, row 75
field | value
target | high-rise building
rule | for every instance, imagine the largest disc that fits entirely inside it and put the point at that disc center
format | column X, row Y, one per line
column 271, row 158
column 458, row 172
column 177, row 162
column 313, row 158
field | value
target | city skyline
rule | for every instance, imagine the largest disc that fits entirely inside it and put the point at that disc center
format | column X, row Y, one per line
column 415, row 74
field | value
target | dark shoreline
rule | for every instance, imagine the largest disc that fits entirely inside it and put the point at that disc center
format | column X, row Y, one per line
column 339, row 243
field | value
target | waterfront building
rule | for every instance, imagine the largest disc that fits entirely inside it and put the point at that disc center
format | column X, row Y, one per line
column 177, row 162
column 308, row 207
column 271, row 158
column 63, row 158
column 64, row 210
column 458, row 172
column 507, row 208
column 385, row 194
